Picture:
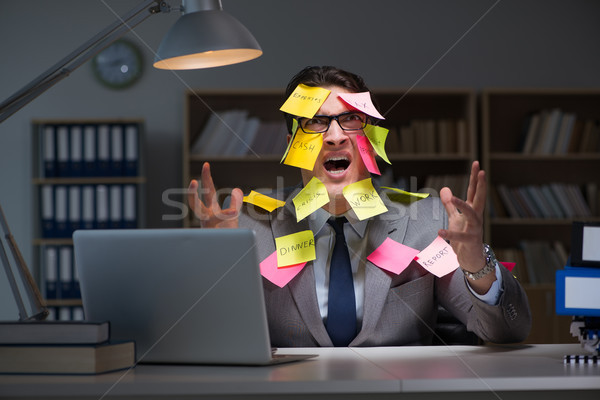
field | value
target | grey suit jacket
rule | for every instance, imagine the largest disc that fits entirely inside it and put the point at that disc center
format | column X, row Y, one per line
column 398, row 309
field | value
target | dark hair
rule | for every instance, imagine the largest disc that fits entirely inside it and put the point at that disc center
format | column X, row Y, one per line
column 323, row 76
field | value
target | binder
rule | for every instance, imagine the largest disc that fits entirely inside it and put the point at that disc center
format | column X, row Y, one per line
column 76, row 282
column 77, row 313
column 74, row 208
column 50, row 263
column 90, row 167
column 103, row 150
column 61, row 211
column 48, row 147
column 130, row 167
column 47, row 211
column 102, row 209
column 62, row 151
column 63, row 313
column 88, row 207
column 116, row 207
column 116, row 150
column 75, row 150
column 65, row 272
column 129, row 206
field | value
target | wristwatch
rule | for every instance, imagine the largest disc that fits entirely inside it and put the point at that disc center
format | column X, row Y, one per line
column 490, row 265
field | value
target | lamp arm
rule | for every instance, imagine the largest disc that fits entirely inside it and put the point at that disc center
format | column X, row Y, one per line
column 80, row 55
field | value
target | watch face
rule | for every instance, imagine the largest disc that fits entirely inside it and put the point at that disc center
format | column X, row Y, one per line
column 119, row 65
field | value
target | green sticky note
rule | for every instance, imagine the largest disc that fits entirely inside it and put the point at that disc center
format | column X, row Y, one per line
column 377, row 136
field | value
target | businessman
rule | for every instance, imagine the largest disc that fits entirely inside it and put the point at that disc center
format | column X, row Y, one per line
column 342, row 299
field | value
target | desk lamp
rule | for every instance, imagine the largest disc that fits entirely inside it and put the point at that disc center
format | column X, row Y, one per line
column 204, row 37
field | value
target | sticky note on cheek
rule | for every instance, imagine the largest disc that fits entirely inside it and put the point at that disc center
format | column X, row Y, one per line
column 367, row 154
column 304, row 150
column 296, row 248
column 305, row 101
column 377, row 136
column 312, row 197
column 363, row 199
column 438, row 258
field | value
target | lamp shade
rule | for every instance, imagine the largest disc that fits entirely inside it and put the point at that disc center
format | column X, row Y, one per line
column 204, row 39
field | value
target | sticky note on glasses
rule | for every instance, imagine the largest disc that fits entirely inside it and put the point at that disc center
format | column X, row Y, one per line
column 296, row 248
column 438, row 258
column 305, row 101
column 362, row 102
column 364, row 199
column 367, row 154
column 262, row 201
column 304, row 150
column 312, row 197
column 377, row 136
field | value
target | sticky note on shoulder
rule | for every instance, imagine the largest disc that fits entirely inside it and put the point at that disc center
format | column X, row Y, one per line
column 402, row 196
column 364, row 199
column 305, row 101
column 263, row 201
column 296, row 248
column 312, row 197
column 438, row 258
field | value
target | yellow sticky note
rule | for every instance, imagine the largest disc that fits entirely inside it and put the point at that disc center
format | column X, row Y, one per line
column 311, row 198
column 305, row 101
column 287, row 149
column 402, row 196
column 304, row 150
column 262, row 201
column 364, row 199
column 377, row 136
column 295, row 248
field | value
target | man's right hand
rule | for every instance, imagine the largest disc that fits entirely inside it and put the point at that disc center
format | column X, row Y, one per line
column 207, row 208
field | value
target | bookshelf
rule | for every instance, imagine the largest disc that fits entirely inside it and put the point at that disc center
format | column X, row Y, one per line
column 444, row 117
column 87, row 174
column 539, row 147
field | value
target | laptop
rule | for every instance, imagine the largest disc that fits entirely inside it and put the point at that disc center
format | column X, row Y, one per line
column 185, row 296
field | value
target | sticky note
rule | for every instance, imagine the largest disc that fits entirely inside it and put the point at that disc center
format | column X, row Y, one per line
column 377, row 136
column 438, row 258
column 304, row 150
column 312, row 197
column 305, row 101
column 367, row 154
column 392, row 256
column 262, row 201
column 362, row 102
column 295, row 248
column 508, row 265
column 287, row 149
column 279, row 276
column 402, row 196
column 364, row 199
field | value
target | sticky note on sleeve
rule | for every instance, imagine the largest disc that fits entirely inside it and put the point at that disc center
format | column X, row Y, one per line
column 305, row 101
column 296, row 248
column 362, row 102
column 438, row 258
column 312, row 197
column 262, row 201
column 364, row 199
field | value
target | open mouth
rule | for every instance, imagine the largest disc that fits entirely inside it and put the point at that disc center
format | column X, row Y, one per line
column 336, row 165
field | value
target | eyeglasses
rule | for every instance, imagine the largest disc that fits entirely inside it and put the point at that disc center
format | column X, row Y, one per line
column 348, row 121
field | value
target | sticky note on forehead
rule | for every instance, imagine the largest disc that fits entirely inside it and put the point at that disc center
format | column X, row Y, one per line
column 296, row 248
column 362, row 102
column 364, row 199
column 305, row 101
column 312, row 197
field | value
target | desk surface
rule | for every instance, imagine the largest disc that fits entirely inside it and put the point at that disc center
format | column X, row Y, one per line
column 453, row 372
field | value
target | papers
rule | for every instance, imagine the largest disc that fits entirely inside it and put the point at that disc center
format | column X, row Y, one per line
column 311, row 198
column 305, row 101
column 363, row 199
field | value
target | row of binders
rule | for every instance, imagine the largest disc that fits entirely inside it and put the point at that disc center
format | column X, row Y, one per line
column 66, row 208
column 89, row 150
column 59, row 275
column 65, row 313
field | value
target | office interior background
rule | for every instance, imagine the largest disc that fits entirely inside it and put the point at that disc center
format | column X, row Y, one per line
column 392, row 44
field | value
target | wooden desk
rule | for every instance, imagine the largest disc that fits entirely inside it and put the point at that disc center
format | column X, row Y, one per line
column 465, row 372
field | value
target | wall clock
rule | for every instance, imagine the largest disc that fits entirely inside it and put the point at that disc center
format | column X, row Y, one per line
column 119, row 65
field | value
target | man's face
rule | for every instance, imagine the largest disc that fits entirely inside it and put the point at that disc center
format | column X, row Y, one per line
column 339, row 163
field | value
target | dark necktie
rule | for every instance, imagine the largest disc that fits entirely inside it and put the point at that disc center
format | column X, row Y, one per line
column 341, row 311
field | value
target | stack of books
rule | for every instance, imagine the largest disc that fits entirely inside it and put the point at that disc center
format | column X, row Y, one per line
column 62, row 347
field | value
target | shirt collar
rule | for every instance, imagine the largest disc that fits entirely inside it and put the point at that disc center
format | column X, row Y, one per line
column 319, row 218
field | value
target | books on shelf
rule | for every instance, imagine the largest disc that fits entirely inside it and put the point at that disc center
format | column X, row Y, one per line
column 54, row 332
column 536, row 261
column 430, row 136
column 66, row 358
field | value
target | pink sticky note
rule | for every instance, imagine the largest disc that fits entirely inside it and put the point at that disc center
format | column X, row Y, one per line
column 279, row 276
column 438, row 258
column 362, row 102
column 367, row 153
column 509, row 265
column 392, row 256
